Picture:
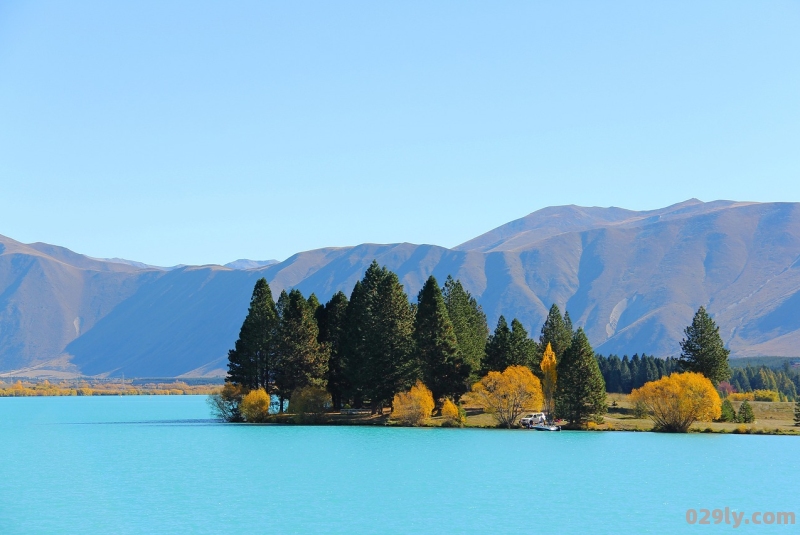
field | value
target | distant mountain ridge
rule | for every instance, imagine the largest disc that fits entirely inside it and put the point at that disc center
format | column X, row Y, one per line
column 631, row 279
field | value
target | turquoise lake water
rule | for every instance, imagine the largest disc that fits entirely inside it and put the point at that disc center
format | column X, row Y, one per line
column 158, row 464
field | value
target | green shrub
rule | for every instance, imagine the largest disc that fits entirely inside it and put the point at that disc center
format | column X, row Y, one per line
column 745, row 414
column 310, row 404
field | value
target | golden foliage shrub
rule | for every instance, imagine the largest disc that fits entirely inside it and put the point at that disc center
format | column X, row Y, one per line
column 255, row 406
column 766, row 395
column 677, row 401
column 451, row 415
column 506, row 395
column 742, row 396
column 413, row 407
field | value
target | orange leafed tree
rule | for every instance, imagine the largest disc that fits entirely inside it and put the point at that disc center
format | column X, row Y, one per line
column 549, row 378
column 413, row 407
column 677, row 401
column 506, row 395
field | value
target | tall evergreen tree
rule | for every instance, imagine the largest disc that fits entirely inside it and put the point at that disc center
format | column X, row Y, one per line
column 613, row 383
column 469, row 325
column 443, row 369
column 250, row 362
column 556, row 331
column 626, row 377
column 354, row 353
column 380, row 324
column 703, row 351
column 392, row 366
column 522, row 350
column 581, row 391
column 498, row 348
column 314, row 303
column 302, row 360
column 332, row 322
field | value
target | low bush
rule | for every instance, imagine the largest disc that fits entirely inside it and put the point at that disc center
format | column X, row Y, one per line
column 413, row 407
column 226, row 404
column 255, row 406
column 674, row 402
column 310, row 404
column 452, row 415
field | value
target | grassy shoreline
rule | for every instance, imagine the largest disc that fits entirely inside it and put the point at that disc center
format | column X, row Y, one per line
column 772, row 418
column 103, row 388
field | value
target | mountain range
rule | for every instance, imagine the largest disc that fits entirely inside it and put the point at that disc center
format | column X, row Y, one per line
column 631, row 279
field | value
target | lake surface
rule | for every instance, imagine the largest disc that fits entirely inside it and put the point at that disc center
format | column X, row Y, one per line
column 158, row 464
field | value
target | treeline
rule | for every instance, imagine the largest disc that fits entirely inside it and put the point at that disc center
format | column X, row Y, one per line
column 786, row 382
column 84, row 388
column 366, row 348
column 622, row 375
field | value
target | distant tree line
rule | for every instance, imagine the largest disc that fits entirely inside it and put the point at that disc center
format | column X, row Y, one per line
column 366, row 348
column 785, row 381
column 625, row 374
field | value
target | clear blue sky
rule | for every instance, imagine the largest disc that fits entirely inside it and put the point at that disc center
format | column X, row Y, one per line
column 201, row 132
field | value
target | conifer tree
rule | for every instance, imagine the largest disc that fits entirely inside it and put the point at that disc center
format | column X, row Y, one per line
column 302, row 360
column 626, row 381
column 314, row 303
column 728, row 414
column 380, row 322
column 797, row 413
column 355, row 340
column 332, row 322
column 469, row 325
column 436, row 346
column 702, row 350
column 250, row 363
column 745, row 414
column 556, row 331
column 581, row 391
column 522, row 350
column 613, row 383
column 498, row 348
column 392, row 366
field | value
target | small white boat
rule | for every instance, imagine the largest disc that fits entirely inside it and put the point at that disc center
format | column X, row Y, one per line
column 545, row 427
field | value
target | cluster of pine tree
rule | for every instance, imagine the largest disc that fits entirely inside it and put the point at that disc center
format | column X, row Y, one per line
column 744, row 416
column 363, row 349
column 785, row 381
column 366, row 348
column 625, row 374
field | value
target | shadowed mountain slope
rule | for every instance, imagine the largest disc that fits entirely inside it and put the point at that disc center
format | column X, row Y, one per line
column 632, row 279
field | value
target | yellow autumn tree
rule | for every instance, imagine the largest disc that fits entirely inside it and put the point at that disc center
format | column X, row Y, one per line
column 507, row 394
column 549, row 379
column 677, row 401
column 255, row 406
column 451, row 415
column 413, row 407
